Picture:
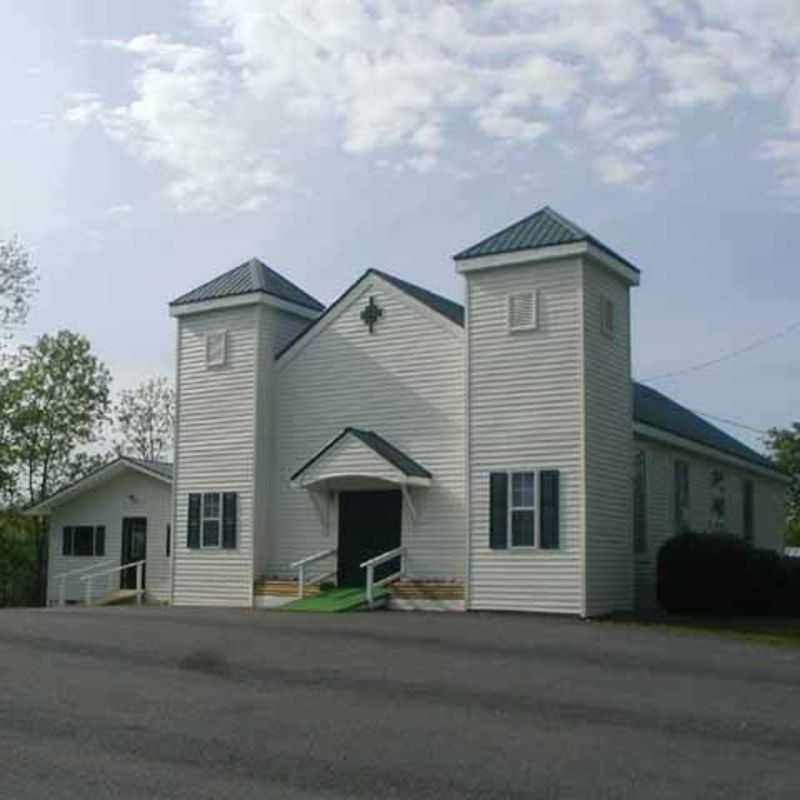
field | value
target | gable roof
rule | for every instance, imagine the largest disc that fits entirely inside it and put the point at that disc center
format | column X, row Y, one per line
column 252, row 276
column 441, row 305
column 652, row 408
column 543, row 228
column 386, row 450
column 160, row 470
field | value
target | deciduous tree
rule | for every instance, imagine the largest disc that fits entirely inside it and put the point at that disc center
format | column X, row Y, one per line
column 145, row 419
column 784, row 446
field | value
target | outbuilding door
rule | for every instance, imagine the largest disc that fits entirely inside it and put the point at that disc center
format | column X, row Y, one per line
column 134, row 548
column 370, row 523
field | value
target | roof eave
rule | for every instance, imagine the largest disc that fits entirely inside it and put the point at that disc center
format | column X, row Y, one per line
column 665, row 436
column 587, row 247
column 178, row 308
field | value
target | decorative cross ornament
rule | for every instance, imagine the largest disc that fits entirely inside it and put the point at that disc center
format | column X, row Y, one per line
column 371, row 313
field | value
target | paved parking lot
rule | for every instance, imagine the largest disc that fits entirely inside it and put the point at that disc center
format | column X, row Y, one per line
column 191, row 703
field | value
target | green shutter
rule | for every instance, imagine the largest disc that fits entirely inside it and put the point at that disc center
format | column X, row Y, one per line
column 229, row 520
column 193, row 522
column 100, row 540
column 549, row 501
column 498, row 510
column 66, row 542
column 169, row 538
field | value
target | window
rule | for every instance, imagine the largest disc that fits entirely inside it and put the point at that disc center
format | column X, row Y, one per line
column 210, row 527
column 524, row 510
column 607, row 321
column 748, row 511
column 640, row 502
column 83, row 540
column 718, row 511
column 212, row 520
column 216, row 349
column 522, row 311
column 682, row 505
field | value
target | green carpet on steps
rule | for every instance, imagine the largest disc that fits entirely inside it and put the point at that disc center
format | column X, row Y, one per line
column 332, row 601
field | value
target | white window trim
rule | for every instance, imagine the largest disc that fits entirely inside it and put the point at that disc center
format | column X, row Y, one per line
column 511, row 508
column 534, row 293
column 217, row 364
column 218, row 519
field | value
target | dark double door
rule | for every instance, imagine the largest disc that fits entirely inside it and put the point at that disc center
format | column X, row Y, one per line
column 370, row 523
column 134, row 548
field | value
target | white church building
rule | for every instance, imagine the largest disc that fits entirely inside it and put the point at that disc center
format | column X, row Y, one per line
column 490, row 456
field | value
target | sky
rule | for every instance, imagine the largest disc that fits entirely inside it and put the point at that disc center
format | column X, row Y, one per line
column 146, row 147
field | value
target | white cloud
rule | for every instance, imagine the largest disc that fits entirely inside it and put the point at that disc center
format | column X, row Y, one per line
column 119, row 210
column 226, row 115
column 643, row 141
column 616, row 170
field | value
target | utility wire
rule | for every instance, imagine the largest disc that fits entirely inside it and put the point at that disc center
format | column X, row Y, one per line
column 729, row 422
column 746, row 349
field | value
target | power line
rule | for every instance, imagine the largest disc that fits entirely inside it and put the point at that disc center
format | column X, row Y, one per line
column 729, row 422
column 746, row 349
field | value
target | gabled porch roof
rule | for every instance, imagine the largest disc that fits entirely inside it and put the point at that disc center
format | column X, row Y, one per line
column 360, row 454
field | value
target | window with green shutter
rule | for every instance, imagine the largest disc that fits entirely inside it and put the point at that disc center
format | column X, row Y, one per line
column 524, row 510
column 212, row 521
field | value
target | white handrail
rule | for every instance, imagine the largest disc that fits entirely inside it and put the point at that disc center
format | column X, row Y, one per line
column 301, row 565
column 62, row 577
column 139, row 589
column 370, row 565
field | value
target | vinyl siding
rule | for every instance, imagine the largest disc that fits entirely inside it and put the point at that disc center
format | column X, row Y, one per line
column 216, row 438
column 405, row 381
column 129, row 495
column 661, row 524
column 608, row 409
column 526, row 411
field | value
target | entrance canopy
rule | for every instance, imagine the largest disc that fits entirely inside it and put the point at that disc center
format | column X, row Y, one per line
column 359, row 459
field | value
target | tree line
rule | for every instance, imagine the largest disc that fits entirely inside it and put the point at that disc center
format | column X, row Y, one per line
column 59, row 419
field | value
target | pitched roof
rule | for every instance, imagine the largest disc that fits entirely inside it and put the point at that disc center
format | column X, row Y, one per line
column 252, row 276
column 436, row 302
column 543, row 228
column 386, row 450
column 448, row 308
column 160, row 470
column 650, row 407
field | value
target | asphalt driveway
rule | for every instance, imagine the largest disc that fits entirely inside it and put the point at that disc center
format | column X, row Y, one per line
column 190, row 703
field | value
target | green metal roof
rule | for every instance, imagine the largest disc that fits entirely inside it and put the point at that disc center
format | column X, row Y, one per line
column 650, row 407
column 448, row 308
column 543, row 228
column 252, row 276
column 378, row 444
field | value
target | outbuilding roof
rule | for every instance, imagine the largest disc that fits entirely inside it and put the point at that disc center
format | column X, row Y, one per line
column 252, row 276
column 161, row 470
column 543, row 228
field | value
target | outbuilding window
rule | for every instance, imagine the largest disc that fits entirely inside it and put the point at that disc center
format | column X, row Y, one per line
column 212, row 521
column 83, row 540
column 748, row 510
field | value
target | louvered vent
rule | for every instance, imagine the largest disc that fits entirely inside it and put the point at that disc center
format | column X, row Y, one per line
column 522, row 311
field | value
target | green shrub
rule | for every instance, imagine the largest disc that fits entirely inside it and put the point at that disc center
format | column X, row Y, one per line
column 721, row 575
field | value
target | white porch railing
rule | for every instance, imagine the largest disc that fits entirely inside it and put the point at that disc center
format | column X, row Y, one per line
column 61, row 579
column 303, row 563
column 138, row 565
column 370, row 565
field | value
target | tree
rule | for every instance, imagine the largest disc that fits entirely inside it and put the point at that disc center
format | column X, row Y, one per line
column 145, row 419
column 784, row 446
column 18, row 281
column 57, row 401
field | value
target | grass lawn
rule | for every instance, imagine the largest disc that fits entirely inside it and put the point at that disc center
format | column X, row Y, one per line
column 777, row 631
